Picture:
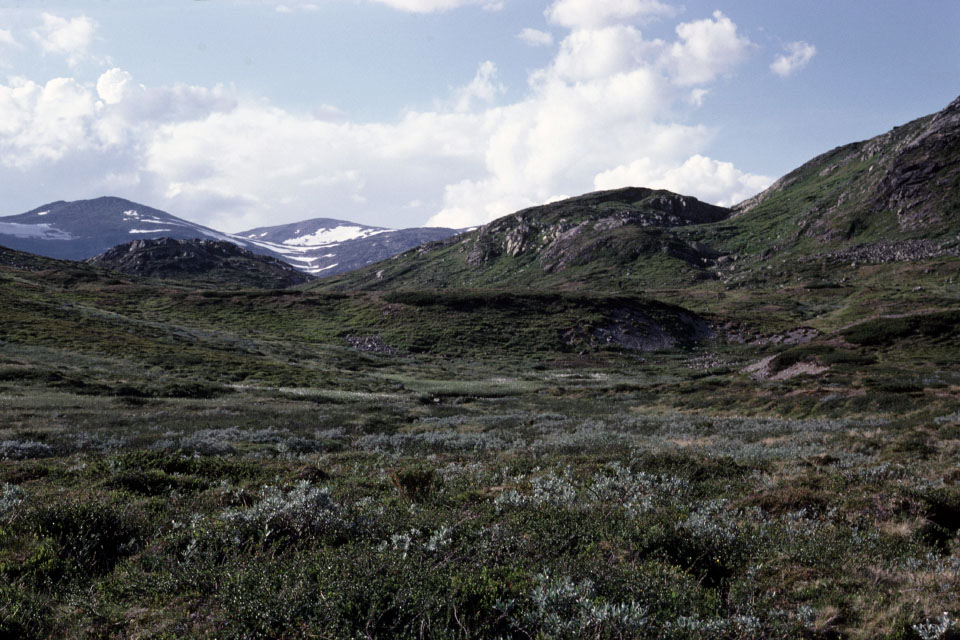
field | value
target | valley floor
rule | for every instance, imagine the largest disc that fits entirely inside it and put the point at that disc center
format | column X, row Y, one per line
column 602, row 497
column 181, row 462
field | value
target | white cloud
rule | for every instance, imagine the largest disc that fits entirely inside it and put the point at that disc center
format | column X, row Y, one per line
column 114, row 85
column 797, row 56
column 235, row 167
column 590, row 14
column 598, row 53
column 67, row 37
column 602, row 113
column 329, row 112
column 696, row 97
column 536, row 38
column 302, row 6
column 707, row 179
column 43, row 123
column 431, row 6
column 6, row 38
column 484, row 88
column 707, row 49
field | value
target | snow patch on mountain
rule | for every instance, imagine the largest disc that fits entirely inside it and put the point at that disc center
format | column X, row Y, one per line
column 147, row 230
column 333, row 235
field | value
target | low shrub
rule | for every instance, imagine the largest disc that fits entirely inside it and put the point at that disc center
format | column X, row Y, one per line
column 87, row 537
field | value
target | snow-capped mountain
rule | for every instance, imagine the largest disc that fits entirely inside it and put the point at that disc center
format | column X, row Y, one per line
column 324, row 246
column 86, row 228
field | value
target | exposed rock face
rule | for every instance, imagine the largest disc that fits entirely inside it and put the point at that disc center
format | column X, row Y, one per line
column 225, row 262
column 564, row 233
column 634, row 330
column 926, row 168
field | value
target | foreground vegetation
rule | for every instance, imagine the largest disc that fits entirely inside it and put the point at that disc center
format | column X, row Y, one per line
column 456, row 500
column 177, row 462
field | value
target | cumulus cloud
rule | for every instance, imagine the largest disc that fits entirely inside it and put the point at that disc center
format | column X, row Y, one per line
column 484, row 88
column 603, row 52
column 601, row 114
column 260, row 156
column 42, row 123
column 67, row 37
column 114, row 85
column 590, row 14
column 700, row 176
column 706, row 49
column 797, row 56
column 536, row 38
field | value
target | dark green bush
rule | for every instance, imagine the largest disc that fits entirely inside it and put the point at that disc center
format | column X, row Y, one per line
column 88, row 536
column 887, row 331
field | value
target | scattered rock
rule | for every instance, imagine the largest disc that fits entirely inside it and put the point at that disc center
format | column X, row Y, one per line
column 884, row 252
column 763, row 370
column 371, row 344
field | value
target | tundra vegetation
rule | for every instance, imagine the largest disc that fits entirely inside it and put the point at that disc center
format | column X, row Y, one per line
column 185, row 462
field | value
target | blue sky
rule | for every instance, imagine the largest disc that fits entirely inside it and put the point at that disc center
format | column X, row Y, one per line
column 244, row 113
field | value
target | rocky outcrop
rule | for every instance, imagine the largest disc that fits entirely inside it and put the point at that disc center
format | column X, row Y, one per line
column 371, row 344
column 191, row 260
column 884, row 252
column 567, row 232
column 923, row 171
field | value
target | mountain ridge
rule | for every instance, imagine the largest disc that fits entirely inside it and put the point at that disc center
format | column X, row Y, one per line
column 82, row 229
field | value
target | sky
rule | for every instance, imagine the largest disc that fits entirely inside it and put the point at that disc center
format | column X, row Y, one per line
column 237, row 114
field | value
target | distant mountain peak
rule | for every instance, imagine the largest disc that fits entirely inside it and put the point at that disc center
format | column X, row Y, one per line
column 326, row 246
column 84, row 228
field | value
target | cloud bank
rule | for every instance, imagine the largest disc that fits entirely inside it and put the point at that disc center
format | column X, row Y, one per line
column 602, row 114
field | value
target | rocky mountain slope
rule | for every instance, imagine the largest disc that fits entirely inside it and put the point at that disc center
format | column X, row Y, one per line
column 607, row 236
column 901, row 186
column 85, row 228
column 199, row 261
